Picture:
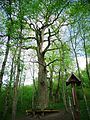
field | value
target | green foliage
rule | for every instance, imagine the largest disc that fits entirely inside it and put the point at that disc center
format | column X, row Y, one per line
column 85, row 80
column 25, row 98
column 25, row 94
column 56, row 106
column 2, row 100
column 87, row 91
column 28, row 13
column 83, row 110
column 88, row 43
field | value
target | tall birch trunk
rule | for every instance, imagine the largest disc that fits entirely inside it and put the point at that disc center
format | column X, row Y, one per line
column 79, row 74
column 8, row 92
column 16, row 83
column 87, row 64
column 4, row 62
column 7, row 45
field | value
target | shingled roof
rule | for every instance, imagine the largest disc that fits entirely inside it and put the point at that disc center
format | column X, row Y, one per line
column 73, row 79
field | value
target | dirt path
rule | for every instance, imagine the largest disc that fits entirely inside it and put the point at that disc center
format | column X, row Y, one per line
column 62, row 115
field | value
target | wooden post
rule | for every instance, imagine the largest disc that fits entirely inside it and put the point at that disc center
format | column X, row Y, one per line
column 74, row 80
column 75, row 103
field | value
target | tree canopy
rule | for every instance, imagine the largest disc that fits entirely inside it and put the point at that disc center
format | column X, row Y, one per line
column 41, row 42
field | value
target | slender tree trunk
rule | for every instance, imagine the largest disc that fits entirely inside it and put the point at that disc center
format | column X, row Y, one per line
column 16, row 85
column 34, row 101
column 16, row 82
column 4, row 62
column 63, row 83
column 75, row 58
column 84, row 96
column 34, row 78
column 8, row 91
column 7, row 45
column 57, row 95
column 87, row 64
column 79, row 74
column 85, row 49
column 77, row 63
column 64, row 94
column 85, row 100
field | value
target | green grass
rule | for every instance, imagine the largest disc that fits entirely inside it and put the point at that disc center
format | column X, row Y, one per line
column 56, row 106
column 25, row 101
column 83, row 110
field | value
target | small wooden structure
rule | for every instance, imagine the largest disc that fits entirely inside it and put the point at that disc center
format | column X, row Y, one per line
column 40, row 113
column 73, row 79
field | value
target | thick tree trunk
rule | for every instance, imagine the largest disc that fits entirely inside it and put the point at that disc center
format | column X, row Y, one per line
column 42, row 83
column 42, row 73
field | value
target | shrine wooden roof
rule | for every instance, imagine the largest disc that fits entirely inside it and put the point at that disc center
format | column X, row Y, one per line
column 73, row 79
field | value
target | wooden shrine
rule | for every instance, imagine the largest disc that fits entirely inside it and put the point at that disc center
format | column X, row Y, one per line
column 73, row 79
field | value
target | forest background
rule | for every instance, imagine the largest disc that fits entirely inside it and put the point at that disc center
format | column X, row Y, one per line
column 42, row 41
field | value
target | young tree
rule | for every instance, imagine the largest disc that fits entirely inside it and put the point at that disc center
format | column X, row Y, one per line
column 8, row 12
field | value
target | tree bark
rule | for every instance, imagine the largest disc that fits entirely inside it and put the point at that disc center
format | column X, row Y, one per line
column 79, row 74
column 87, row 64
column 57, row 95
column 7, row 45
column 34, row 83
column 85, row 49
column 42, row 73
column 4, row 62
column 16, row 82
column 14, row 104
column 63, row 83
column 76, row 58
column 42, row 83
column 8, row 91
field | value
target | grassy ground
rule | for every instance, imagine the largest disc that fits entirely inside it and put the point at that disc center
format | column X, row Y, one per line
column 62, row 115
column 21, row 114
column 83, row 110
